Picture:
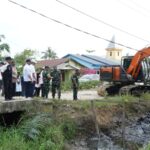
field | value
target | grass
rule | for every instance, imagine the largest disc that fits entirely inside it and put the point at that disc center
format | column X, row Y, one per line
column 33, row 134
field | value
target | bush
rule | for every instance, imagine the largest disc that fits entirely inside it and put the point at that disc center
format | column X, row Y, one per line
column 69, row 129
column 66, row 86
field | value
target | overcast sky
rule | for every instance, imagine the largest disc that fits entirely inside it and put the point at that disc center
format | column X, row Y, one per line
column 25, row 29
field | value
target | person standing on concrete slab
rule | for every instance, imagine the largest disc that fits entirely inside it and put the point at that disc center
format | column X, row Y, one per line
column 46, row 82
column 32, row 66
column 7, row 78
column 75, row 84
column 56, row 82
column 28, row 80
column 14, row 78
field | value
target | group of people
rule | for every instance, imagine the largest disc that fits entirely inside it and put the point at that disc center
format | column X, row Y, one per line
column 32, row 83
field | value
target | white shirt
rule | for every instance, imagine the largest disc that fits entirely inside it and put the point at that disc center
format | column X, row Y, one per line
column 41, row 78
column 27, row 71
column 33, row 71
column 4, row 67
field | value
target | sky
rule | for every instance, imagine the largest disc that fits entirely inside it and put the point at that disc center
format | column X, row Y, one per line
column 26, row 30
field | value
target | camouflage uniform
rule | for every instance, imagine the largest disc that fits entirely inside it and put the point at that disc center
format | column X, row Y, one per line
column 46, row 83
column 56, row 83
column 75, row 85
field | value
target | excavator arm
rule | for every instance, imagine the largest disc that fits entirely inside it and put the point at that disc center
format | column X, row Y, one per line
column 135, row 64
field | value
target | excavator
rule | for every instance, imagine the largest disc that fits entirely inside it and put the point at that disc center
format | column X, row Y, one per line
column 131, row 77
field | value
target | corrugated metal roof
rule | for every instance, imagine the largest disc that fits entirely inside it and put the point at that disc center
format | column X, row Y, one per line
column 104, row 61
column 89, row 61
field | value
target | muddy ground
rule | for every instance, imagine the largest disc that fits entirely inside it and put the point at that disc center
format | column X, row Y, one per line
column 135, row 129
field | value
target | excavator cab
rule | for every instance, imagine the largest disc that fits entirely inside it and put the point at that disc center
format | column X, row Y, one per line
column 116, row 73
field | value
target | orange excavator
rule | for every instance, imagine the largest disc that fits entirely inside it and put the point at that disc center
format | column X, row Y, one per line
column 131, row 77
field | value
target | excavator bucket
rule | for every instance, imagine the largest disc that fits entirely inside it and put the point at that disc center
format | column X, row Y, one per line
column 101, row 91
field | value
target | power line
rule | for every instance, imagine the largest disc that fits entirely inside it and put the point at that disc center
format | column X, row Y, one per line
column 101, row 21
column 69, row 26
column 133, row 9
column 140, row 6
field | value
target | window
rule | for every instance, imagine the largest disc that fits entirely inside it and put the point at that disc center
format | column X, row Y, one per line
column 118, row 53
column 110, row 53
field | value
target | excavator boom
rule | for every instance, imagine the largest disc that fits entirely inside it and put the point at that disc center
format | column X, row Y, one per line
column 133, row 69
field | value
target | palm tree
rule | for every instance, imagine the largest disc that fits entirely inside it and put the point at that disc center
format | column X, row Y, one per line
column 49, row 54
column 3, row 46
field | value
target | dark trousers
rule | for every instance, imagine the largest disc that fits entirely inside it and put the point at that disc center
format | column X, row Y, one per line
column 42, row 90
column 75, row 93
column 28, row 89
column 54, row 89
column 13, row 89
column 7, row 89
column 33, row 88
column 37, row 91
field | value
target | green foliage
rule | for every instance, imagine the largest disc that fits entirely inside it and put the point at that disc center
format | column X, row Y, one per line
column 40, row 132
column 3, row 46
column 49, row 54
column 21, row 58
column 54, row 138
column 69, row 129
column 33, row 127
column 66, row 86
column 88, row 85
column 145, row 96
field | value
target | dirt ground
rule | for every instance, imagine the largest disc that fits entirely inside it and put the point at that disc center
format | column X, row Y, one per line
column 82, row 95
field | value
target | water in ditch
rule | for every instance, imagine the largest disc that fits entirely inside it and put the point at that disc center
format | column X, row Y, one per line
column 137, row 135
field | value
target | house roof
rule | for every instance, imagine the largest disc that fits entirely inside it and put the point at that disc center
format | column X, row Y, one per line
column 89, row 61
column 105, row 61
column 51, row 63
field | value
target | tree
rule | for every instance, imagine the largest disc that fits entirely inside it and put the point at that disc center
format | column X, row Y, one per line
column 3, row 46
column 21, row 58
column 49, row 54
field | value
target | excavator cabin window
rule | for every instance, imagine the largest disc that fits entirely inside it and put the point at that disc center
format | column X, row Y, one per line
column 125, row 61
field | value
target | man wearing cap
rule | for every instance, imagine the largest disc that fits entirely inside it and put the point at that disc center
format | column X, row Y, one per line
column 7, row 78
column 28, row 80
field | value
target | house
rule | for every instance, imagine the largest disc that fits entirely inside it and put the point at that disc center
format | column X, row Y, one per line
column 87, row 64
column 62, row 64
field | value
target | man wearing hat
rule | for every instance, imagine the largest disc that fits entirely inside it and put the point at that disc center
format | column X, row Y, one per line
column 7, row 78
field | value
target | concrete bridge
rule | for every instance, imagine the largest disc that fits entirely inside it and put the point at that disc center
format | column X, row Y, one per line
column 23, row 105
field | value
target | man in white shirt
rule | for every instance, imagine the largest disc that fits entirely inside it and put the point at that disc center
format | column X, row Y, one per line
column 32, row 66
column 28, row 79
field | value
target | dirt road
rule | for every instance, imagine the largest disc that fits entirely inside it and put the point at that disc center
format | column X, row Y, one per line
column 82, row 95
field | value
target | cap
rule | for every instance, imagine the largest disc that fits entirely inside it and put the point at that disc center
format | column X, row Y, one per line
column 8, row 58
column 46, row 66
column 28, row 60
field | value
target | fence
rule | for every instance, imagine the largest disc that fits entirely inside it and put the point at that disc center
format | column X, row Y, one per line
column 139, row 101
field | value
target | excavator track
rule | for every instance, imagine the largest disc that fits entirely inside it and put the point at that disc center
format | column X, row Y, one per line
column 135, row 90
column 107, row 89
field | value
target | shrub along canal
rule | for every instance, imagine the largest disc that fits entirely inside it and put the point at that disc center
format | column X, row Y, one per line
column 69, row 125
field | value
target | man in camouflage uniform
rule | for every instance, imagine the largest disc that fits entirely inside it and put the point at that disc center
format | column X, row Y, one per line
column 56, row 82
column 46, row 82
column 75, row 84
